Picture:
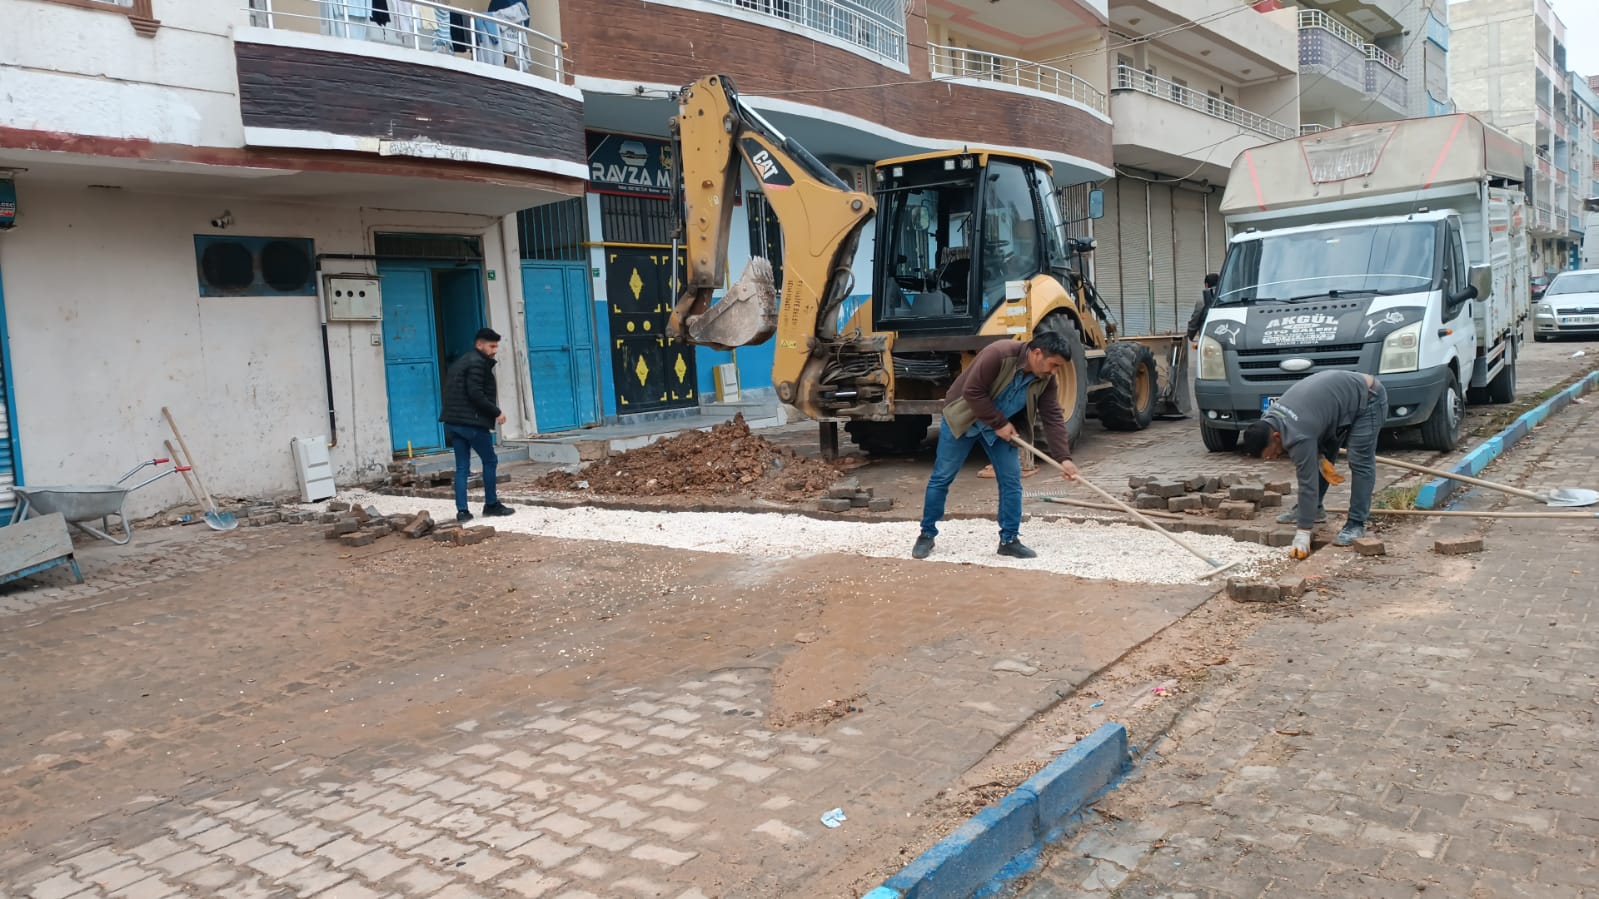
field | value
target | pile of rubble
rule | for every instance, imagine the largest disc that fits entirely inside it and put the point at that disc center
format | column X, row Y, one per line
column 356, row 526
column 1228, row 497
column 727, row 459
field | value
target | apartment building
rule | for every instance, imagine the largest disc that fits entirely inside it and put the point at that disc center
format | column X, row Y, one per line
column 1371, row 61
column 1193, row 83
column 1587, row 92
column 1508, row 66
column 275, row 218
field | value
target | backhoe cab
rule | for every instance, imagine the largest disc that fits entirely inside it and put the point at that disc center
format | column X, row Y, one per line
column 971, row 247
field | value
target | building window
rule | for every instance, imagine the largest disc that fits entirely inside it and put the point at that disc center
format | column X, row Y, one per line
column 554, row 231
column 254, row 266
column 766, row 236
column 139, row 12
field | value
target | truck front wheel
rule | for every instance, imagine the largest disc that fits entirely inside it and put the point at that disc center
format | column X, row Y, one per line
column 1218, row 440
column 1441, row 431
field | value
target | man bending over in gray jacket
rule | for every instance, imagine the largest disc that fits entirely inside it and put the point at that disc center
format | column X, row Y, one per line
column 1312, row 420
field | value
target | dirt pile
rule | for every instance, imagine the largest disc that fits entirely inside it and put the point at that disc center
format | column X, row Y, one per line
column 727, row 459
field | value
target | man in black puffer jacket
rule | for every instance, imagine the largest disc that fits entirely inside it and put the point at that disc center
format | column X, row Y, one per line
column 471, row 410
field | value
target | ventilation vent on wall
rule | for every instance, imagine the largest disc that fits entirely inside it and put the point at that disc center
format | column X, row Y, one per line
column 228, row 266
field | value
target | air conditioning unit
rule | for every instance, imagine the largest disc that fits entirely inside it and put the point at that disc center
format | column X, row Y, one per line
column 858, row 177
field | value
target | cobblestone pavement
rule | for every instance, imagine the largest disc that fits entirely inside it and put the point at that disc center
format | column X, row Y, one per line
column 521, row 718
column 1430, row 732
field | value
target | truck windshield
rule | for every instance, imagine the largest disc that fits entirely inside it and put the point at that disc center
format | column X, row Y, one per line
column 1573, row 282
column 1368, row 260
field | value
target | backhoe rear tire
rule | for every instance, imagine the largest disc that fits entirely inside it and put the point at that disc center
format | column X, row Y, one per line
column 1129, row 403
column 1071, row 384
column 901, row 437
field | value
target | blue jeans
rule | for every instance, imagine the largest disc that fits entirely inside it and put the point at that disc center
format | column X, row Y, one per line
column 952, row 453
column 466, row 440
column 1363, row 455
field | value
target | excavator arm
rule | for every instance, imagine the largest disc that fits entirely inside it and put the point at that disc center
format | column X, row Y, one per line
column 821, row 218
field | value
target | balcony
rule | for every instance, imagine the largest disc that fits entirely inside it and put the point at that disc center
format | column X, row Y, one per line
column 1342, row 72
column 1167, row 127
column 874, row 28
column 1385, row 79
column 977, row 65
column 423, row 80
column 490, row 39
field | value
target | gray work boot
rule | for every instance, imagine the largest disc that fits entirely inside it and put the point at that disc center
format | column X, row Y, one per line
column 923, row 547
column 1292, row 515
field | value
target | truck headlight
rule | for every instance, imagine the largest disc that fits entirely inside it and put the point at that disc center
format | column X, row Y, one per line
column 1401, row 350
column 1211, row 365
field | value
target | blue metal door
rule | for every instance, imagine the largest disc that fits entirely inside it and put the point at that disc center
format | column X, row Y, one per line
column 10, row 454
column 410, row 359
column 560, row 341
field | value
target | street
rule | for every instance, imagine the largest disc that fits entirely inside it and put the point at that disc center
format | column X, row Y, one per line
column 268, row 713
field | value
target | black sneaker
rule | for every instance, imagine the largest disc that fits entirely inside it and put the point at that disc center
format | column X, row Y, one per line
column 1016, row 550
column 498, row 510
column 923, row 547
column 463, row 516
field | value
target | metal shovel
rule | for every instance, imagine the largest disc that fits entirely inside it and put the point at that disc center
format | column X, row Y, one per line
column 1216, row 567
column 216, row 520
column 1564, row 497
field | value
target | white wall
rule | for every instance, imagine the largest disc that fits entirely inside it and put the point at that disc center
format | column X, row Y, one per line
column 106, row 326
column 84, row 71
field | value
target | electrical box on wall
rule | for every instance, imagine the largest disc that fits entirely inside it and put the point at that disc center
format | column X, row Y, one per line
column 353, row 298
column 313, row 468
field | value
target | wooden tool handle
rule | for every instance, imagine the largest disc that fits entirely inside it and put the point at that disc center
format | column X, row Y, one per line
column 188, row 457
column 1464, row 479
column 1144, row 519
column 185, row 468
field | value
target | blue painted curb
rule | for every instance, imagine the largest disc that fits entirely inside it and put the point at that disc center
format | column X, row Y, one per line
column 1436, row 493
column 1012, row 830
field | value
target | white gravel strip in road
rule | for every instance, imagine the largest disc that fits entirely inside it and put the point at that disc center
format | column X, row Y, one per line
column 1089, row 550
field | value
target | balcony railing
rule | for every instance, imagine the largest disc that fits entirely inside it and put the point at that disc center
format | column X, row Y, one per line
column 1131, row 79
column 501, row 38
column 1315, row 18
column 1338, row 51
column 1313, row 128
column 959, row 62
column 876, row 26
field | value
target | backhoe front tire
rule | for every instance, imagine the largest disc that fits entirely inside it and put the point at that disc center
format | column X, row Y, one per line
column 901, row 437
column 1071, row 383
column 1129, row 403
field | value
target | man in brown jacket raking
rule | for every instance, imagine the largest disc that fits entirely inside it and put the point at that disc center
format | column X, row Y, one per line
column 1005, row 378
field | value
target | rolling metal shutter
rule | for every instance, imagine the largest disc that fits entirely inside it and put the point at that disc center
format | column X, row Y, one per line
column 1133, row 221
column 1162, row 261
column 1188, row 222
column 1107, row 256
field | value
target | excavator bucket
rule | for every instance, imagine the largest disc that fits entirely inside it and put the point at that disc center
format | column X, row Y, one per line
column 746, row 314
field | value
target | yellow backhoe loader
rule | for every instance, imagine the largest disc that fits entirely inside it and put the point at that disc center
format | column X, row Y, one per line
column 971, row 247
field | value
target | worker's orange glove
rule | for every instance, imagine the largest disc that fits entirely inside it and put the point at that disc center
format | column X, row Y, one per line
column 1331, row 474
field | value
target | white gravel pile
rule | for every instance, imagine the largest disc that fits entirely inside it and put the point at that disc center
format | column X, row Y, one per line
column 1088, row 550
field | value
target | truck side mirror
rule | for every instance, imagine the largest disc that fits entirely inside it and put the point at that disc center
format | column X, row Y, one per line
column 1481, row 279
column 1096, row 203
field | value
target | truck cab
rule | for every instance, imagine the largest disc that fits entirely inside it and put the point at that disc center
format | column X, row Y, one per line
column 1396, row 249
column 1390, row 296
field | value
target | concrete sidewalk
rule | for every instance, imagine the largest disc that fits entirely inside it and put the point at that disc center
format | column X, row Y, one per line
column 1430, row 732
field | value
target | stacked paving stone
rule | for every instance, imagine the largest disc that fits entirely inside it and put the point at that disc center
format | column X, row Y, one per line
column 849, row 494
column 356, row 526
column 404, row 474
column 1230, row 497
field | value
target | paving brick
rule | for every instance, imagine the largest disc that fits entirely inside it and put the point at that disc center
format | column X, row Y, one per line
column 622, row 813
column 1253, row 590
column 681, row 803
column 343, row 850
column 182, row 863
column 607, row 839
column 547, row 852
column 420, row 881
column 532, row 884
column 1370, row 546
column 1455, row 546
column 485, row 865
column 444, row 850
column 670, row 858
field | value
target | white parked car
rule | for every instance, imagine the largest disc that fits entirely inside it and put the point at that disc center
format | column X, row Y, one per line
column 1569, row 307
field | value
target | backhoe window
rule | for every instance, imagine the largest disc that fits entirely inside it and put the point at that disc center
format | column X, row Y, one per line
column 927, row 258
column 1011, row 233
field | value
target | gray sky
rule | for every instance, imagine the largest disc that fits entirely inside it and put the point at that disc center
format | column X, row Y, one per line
column 1582, row 34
